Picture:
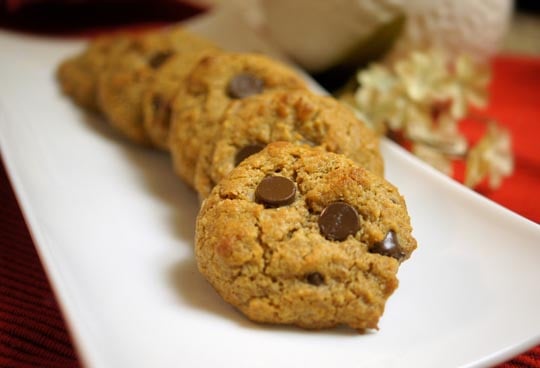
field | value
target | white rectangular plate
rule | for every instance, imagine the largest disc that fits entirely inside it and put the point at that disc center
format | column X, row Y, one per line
column 114, row 228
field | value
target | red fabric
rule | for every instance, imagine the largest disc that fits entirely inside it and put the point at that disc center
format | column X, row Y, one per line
column 33, row 333
column 72, row 18
column 515, row 101
column 515, row 104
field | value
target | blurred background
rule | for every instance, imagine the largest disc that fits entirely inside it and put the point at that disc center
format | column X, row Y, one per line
column 83, row 16
column 354, row 32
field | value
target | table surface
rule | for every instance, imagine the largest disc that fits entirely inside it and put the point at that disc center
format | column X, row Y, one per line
column 33, row 332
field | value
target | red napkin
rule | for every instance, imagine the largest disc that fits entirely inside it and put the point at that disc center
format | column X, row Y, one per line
column 515, row 103
column 33, row 333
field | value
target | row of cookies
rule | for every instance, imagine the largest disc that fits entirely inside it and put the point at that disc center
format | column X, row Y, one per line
column 176, row 91
column 119, row 76
column 306, row 232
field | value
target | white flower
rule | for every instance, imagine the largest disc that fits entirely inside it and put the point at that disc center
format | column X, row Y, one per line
column 491, row 157
column 468, row 86
column 422, row 99
column 379, row 98
column 433, row 157
column 422, row 74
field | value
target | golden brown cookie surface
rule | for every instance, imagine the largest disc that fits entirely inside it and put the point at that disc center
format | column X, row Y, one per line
column 159, row 94
column 212, row 85
column 294, row 116
column 296, row 235
column 79, row 75
column 127, row 76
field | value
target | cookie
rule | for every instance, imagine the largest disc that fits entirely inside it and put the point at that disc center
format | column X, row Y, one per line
column 123, row 83
column 294, row 116
column 297, row 235
column 160, row 92
column 79, row 75
column 214, row 83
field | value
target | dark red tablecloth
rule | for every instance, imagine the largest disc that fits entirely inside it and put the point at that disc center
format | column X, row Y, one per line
column 33, row 333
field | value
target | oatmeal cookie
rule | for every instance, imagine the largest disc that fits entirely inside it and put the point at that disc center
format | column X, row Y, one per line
column 209, row 89
column 293, row 116
column 128, row 74
column 160, row 92
column 79, row 75
column 297, row 235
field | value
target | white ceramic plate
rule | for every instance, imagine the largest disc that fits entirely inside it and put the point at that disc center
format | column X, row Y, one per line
column 114, row 228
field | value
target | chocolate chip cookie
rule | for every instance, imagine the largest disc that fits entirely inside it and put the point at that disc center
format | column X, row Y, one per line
column 78, row 75
column 160, row 92
column 294, row 116
column 297, row 235
column 213, row 84
column 128, row 74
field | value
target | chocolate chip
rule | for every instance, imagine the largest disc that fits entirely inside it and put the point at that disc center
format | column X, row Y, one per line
column 157, row 102
column 275, row 191
column 162, row 111
column 247, row 151
column 167, row 113
column 389, row 246
column 315, row 278
column 338, row 220
column 244, row 85
column 159, row 58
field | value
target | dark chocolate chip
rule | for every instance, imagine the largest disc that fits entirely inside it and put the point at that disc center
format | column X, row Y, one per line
column 162, row 111
column 167, row 113
column 275, row 191
column 244, row 85
column 338, row 220
column 315, row 278
column 247, row 151
column 157, row 102
column 159, row 58
column 389, row 246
